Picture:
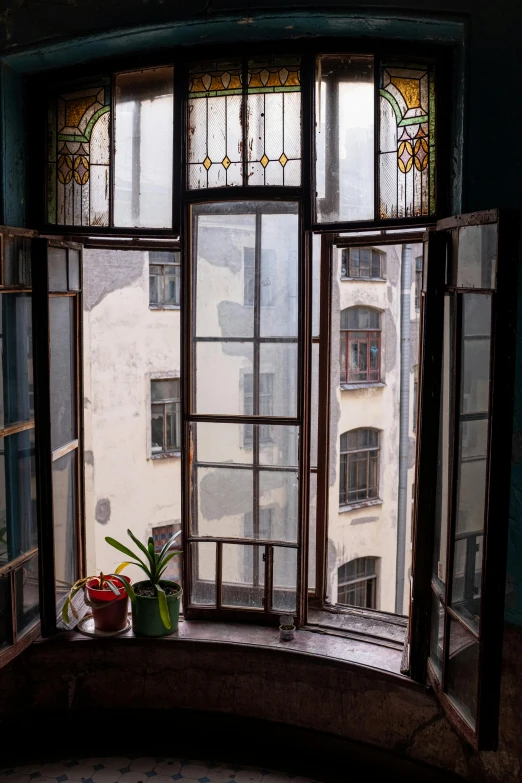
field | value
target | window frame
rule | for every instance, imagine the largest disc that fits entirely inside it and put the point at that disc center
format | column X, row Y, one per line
column 163, row 305
column 344, row 469
column 176, row 451
column 347, row 338
column 347, row 275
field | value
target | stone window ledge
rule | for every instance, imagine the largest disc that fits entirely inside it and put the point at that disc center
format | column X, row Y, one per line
column 351, row 386
column 360, row 504
column 164, row 307
column 324, row 645
column 363, row 279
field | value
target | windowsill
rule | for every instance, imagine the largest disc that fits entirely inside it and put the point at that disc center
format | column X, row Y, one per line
column 352, row 651
column 164, row 307
column 363, row 279
column 371, row 385
column 360, row 504
column 166, row 455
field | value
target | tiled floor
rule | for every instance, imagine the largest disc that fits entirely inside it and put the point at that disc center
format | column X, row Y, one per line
column 143, row 770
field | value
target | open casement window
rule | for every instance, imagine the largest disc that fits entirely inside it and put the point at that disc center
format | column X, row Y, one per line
column 57, row 275
column 462, row 485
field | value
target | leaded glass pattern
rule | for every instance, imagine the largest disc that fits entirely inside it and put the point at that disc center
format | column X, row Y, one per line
column 79, row 151
column 214, row 144
column 407, row 141
column 221, row 94
column 274, row 122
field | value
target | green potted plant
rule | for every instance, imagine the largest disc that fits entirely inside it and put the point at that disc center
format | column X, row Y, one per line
column 106, row 595
column 155, row 601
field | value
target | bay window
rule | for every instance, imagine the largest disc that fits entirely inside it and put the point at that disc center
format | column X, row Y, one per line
column 276, row 178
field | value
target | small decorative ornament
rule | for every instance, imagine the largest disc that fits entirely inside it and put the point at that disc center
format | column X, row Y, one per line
column 286, row 628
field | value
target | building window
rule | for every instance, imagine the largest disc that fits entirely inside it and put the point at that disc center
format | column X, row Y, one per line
column 164, row 279
column 165, row 416
column 357, row 583
column 359, row 479
column 362, row 262
column 418, row 281
column 266, row 397
column 160, row 535
column 360, row 354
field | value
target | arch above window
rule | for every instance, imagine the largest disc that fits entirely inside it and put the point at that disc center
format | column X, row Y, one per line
column 360, row 318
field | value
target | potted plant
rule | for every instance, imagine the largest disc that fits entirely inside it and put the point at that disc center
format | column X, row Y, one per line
column 107, row 596
column 155, row 601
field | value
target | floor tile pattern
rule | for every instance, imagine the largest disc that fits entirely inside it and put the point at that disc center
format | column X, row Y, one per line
column 143, row 770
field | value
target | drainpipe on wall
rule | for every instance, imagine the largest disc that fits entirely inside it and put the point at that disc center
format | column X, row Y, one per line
column 404, row 421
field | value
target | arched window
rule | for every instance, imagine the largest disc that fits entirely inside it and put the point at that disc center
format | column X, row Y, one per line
column 360, row 354
column 364, row 263
column 357, row 583
column 359, row 469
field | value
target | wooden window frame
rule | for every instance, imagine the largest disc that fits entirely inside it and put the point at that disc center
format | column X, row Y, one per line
column 344, row 469
column 175, row 451
column 346, row 268
column 348, row 337
column 165, row 265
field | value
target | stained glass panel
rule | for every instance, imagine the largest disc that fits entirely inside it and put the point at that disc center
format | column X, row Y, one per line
column 407, row 141
column 214, row 145
column 274, row 122
column 78, row 166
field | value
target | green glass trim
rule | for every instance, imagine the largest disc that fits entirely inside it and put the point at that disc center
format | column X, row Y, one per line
column 431, row 142
column 215, row 93
column 86, row 137
column 395, row 106
column 254, row 90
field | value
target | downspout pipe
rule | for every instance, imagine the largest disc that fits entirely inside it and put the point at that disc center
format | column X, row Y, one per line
column 404, row 422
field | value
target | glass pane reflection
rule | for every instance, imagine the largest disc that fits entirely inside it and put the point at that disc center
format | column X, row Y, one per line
column 462, row 671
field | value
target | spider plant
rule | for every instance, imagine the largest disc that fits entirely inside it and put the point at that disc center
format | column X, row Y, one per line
column 104, row 582
column 153, row 564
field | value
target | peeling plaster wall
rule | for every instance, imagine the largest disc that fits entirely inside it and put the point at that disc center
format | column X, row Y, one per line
column 125, row 343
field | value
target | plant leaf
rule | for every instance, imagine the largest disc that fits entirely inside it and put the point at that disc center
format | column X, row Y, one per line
column 112, row 587
column 65, row 611
column 166, row 561
column 122, row 566
column 126, row 551
column 169, row 544
column 163, row 606
column 139, row 544
column 128, row 588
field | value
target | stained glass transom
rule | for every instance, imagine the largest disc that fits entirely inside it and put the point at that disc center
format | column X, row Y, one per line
column 407, row 141
column 274, row 123
column 78, row 172
column 219, row 95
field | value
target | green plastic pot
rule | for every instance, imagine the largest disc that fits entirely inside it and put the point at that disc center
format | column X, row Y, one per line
column 146, row 619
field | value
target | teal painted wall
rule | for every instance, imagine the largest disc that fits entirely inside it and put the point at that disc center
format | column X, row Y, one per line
column 36, row 35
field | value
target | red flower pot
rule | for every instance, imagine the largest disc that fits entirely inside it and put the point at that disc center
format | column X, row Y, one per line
column 109, row 612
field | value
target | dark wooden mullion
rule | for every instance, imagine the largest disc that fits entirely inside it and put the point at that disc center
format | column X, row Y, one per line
column 376, row 135
column 44, row 477
column 454, row 481
column 304, row 376
column 255, row 388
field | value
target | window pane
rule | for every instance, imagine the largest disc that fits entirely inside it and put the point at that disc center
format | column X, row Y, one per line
column 63, row 372
column 282, row 446
column 27, row 596
column 278, row 275
column 143, row 148
column 165, row 390
column 214, row 137
column 477, row 256
column 220, row 443
column 203, row 554
column 316, row 283
column 16, row 345
column 462, row 671
column 278, row 491
column 224, row 274
column 155, row 284
column 18, row 529
column 280, row 359
column 74, row 269
column 284, row 592
column 172, row 285
column 173, row 425
column 220, row 369
column 6, row 622
column 224, row 495
column 407, row 140
column 57, row 268
column 242, row 582
column 436, row 634
column 312, row 532
column 344, row 138
column 64, row 518
column 157, row 429
column 78, row 163
column 274, row 122
column 476, row 337
column 441, row 509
